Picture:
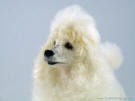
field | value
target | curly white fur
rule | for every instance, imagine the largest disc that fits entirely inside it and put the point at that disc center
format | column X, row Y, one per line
column 88, row 73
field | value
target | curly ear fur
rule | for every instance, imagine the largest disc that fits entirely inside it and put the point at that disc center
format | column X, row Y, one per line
column 113, row 54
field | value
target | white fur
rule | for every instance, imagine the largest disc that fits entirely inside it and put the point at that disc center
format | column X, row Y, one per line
column 112, row 54
column 87, row 73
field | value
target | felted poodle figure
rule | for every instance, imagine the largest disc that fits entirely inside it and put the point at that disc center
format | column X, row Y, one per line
column 74, row 65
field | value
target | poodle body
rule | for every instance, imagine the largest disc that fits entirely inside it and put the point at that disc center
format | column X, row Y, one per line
column 74, row 65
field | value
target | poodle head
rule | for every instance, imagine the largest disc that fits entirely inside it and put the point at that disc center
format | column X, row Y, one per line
column 73, row 38
column 65, row 47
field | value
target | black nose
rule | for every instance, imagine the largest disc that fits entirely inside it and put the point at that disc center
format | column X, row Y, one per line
column 48, row 53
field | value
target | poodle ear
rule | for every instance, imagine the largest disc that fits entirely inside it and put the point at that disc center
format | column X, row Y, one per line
column 93, row 37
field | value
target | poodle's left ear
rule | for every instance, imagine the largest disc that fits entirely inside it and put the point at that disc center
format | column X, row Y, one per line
column 92, row 36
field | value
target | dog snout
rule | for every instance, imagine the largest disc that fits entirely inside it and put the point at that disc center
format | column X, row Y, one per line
column 48, row 53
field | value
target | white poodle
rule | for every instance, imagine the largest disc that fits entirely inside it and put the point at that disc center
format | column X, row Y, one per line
column 74, row 65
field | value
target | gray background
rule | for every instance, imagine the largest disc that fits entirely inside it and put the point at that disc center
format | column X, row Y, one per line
column 24, row 27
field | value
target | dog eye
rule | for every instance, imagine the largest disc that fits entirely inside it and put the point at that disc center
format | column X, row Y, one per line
column 68, row 45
